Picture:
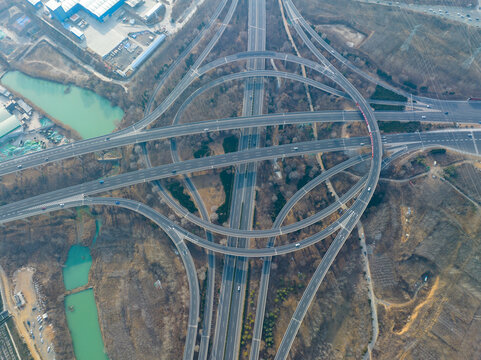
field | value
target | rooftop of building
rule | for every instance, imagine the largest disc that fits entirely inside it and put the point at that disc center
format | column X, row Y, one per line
column 96, row 7
column 8, row 122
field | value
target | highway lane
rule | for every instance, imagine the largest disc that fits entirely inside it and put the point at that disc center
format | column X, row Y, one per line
column 357, row 209
column 186, row 235
column 265, row 55
column 185, row 52
column 101, row 143
column 194, row 299
column 457, row 140
column 465, row 141
column 234, row 269
column 188, row 78
column 185, row 167
column 165, row 223
column 107, row 142
column 253, row 105
column 313, row 286
column 315, row 283
column 318, row 276
column 223, row 328
column 83, row 147
column 250, row 74
column 209, row 297
column 268, row 73
column 333, row 52
column 266, row 266
column 370, row 119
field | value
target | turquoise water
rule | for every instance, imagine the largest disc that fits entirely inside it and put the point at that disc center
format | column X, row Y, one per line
column 83, row 323
column 77, row 267
column 84, row 111
column 80, row 308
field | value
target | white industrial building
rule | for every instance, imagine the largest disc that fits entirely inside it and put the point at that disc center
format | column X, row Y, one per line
column 9, row 125
column 99, row 9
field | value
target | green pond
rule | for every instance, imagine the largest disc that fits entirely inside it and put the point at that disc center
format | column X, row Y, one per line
column 82, row 319
column 77, row 267
column 84, row 111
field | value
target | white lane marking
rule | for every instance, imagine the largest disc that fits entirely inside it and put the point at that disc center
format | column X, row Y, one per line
column 474, row 142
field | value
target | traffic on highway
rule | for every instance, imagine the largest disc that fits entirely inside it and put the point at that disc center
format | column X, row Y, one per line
column 240, row 239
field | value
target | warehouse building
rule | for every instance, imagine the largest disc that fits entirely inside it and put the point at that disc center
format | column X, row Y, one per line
column 99, row 9
column 9, row 125
column 142, row 57
column 36, row 3
column 152, row 12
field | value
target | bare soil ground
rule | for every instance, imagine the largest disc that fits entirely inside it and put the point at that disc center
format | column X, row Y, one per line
column 417, row 230
column 210, row 189
column 468, row 179
column 23, row 280
column 432, row 61
column 423, row 246
column 46, row 62
column 337, row 325
column 351, row 37
column 135, row 317
column 43, row 243
column 18, row 314
column 139, row 320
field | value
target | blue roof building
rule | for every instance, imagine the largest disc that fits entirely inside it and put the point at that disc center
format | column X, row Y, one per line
column 99, row 9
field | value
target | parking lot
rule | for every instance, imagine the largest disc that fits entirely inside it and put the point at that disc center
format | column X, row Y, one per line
column 32, row 315
column 123, row 54
column 102, row 37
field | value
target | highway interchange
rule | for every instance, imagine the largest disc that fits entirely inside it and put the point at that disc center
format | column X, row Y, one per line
column 379, row 150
